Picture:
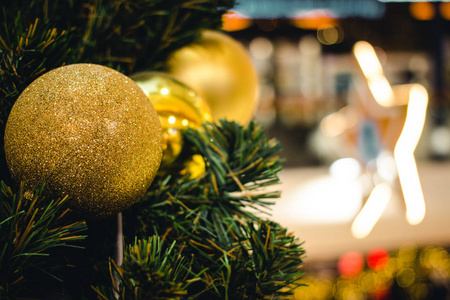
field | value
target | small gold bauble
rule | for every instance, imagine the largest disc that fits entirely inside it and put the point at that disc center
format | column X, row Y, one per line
column 90, row 133
column 221, row 71
column 178, row 107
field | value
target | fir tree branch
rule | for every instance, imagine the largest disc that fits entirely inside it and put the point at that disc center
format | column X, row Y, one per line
column 138, row 35
column 239, row 161
column 218, row 247
column 30, row 228
column 28, row 48
column 150, row 270
column 276, row 258
column 210, row 215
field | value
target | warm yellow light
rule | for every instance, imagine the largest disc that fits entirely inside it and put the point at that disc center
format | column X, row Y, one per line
column 401, row 93
column 164, row 91
column 382, row 91
column 330, row 34
column 372, row 210
column 338, row 122
column 367, row 59
column 314, row 20
column 172, row 120
column 404, row 154
column 422, row 10
column 261, row 48
column 444, row 9
column 334, row 124
column 371, row 67
column 232, row 21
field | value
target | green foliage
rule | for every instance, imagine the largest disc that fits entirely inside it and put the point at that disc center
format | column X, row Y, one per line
column 238, row 163
column 139, row 34
column 27, row 50
column 31, row 226
column 191, row 237
column 213, row 216
column 150, row 270
column 130, row 35
column 276, row 258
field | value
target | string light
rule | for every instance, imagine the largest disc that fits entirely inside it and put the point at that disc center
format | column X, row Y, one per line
column 371, row 211
column 404, row 155
column 417, row 100
column 371, row 67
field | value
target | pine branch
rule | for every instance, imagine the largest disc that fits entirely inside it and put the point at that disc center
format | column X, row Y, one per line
column 150, row 270
column 239, row 162
column 139, row 35
column 32, row 226
column 28, row 48
column 211, row 244
column 211, row 215
column 276, row 257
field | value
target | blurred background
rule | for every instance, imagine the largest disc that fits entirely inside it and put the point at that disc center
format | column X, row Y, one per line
column 357, row 92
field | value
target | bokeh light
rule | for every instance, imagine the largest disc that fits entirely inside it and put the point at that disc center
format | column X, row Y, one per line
column 444, row 10
column 330, row 34
column 350, row 264
column 345, row 168
column 423, row 11
column 232, row 21
column 313, row 20
column 377, row 259
column 408, row 273
column 261, row 48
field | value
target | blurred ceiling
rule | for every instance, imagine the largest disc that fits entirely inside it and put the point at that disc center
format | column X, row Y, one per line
column 273, row 9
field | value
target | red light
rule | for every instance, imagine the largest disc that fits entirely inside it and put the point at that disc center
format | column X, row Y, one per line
column 377, row 259
column 350, row 264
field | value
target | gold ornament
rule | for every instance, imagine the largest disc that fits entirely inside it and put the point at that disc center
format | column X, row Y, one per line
column 89, row 132
column 178, row 107
column 221, row 71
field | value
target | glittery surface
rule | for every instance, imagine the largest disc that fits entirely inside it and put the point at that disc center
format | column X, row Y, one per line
column 89, row 132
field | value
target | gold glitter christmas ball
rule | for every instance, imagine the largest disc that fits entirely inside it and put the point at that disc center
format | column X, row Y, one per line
column 178, row 107
column 89, row 132
column 221, row 71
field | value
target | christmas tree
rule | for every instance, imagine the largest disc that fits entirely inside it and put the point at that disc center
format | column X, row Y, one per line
column 200, row 232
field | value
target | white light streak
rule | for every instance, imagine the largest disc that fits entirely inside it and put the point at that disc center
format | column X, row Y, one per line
column 371, row 211
column 371, row 67
column 404, row 154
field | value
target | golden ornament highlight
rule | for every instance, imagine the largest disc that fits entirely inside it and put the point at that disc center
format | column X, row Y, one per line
column 89, row 132
column 178, row 107
column 221, row 71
